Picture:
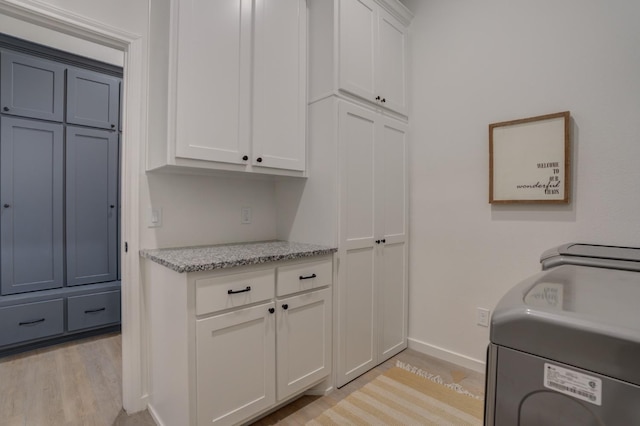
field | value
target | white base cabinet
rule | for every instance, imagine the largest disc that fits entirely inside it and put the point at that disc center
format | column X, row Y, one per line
column 229, row 345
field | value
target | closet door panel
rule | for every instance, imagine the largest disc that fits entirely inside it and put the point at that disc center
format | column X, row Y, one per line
column 92, row 99
column 92, row 205
column 31, row 208
column 31, row 87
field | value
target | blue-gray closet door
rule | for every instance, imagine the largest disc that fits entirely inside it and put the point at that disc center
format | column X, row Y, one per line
column 92, row 99
column 31, row 87
column 92, row 205
column 31, row 205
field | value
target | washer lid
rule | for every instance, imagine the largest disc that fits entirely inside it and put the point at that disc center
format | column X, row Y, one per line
column 582, row 316
column 627, row 258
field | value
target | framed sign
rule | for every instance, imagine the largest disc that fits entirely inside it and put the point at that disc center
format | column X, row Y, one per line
column 529, row 160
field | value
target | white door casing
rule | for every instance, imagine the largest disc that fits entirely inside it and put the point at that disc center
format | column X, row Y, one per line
column 134, row 48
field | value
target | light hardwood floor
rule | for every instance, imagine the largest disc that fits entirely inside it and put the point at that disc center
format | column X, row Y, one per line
column 74, row 383
column 80, row 383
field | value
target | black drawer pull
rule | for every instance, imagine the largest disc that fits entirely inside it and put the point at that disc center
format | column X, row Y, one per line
column 93, row 311
column 307, row 277
column 239, row 291
column 31, row 322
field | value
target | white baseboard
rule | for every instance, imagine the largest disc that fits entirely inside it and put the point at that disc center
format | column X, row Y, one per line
column 447, row 355
column 154, row 415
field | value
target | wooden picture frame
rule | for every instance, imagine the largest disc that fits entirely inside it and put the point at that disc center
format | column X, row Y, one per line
column 529, row 160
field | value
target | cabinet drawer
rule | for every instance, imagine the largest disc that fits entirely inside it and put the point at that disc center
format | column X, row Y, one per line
column 31, row 321
column 93, row 310
column 234, row 290
column 304, row 276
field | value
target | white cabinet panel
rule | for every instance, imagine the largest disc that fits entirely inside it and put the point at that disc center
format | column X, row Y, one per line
column 279, row 93
column 357, row 310
column 236, row 365
column 372, row 54
column 357, row 139
column 392, row 304
column 391, row 77
column 358, row 22
column 392, row 180
column 305, row 276
column 233, row 290
column 304, row 341
column 213, row 56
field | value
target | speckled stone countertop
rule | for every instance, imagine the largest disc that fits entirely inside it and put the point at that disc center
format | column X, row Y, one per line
column 206, row 258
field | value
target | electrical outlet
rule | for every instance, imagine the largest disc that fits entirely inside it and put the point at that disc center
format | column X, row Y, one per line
column 482, row 317
column 245, row 215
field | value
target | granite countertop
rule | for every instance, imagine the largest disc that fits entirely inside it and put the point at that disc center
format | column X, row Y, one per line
column 206, row 258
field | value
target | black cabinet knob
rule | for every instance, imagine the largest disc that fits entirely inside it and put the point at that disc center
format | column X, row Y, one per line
column 259, row 159
column 383, row 100
column 271, row 310
column 245, row 157
column 112, row 206
column 6, row 206
column 377, row 241
column 285, row 306
column 113, row 126
column 383, row 241
column 6, row 108
column 377, row 98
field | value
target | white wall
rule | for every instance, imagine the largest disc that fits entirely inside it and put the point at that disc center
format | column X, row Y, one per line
column 476, row 63
column 202, row 210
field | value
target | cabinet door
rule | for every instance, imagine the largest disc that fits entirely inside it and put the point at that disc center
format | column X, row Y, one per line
column 31, row 209
column 213, row 80
column 304, row 341
column 31, row 87
column 279, row 98
column 91, row 205
column 235, row 361
column 358, row 226
column 357, row 47
column 391, row 262
column 391, row 73
column 92, row 99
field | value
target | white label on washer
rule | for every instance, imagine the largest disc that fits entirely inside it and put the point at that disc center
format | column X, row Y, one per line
column 573, row 383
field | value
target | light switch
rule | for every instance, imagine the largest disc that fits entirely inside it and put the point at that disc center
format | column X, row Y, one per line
column 245, row 215
column 155, row 217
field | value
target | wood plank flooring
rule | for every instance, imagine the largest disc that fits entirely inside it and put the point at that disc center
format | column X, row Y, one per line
column 80, row 383
column 74, row 383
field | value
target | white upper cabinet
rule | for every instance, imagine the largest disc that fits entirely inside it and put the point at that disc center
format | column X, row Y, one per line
column 391, row 63
column 369, row 52
column 237, row 85
column 279, row 84
column 213, row 66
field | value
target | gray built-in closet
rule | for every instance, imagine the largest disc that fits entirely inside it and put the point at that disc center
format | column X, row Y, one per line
column 59, row 200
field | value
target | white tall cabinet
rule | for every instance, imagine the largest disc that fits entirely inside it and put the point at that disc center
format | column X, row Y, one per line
column 236, row 85
column 357, row 193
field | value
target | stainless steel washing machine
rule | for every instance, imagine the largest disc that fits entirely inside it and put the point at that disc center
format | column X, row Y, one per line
column 565, row 343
